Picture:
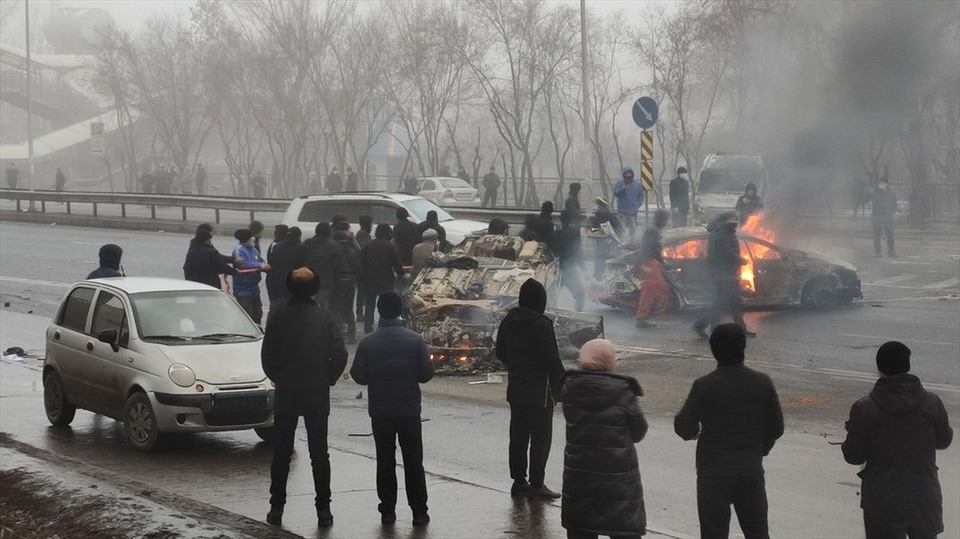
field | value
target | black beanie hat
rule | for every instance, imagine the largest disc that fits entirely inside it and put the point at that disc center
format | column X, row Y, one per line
column 243, row 235
column 893, row 357
column 303, row 283
column 727, row 342
column 389, row 305
column 202, row 235
column 533, row 296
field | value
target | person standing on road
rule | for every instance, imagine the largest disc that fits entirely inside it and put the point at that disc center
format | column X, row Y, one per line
column 334, row 182
column 110, row 255
column 680, row 197
column 303, row 355
column 491, row 184
column 423, row 251
column 734, row 414
column 246, row 282
column 353, row 181
column 393, row 361
column 572, row 205
column 655, row 292
column 200, row 179
column 204, row 264
column 546, row 223
column 279, row 232
column 567, row 249
column 605, row 243
column 13, row 175
column 346, row 286
column 433, row 222
column 258, row 186
column 59, row 181
column 380, row 268
column 749, row 203
column 322, row 255
column 464, row 175
column 283, row 256
column 894, row 434
column 884, row 208
column 405, row 235
column 527, row 346
column 724, row 261
column 364, row 236
column 629, row 195
column 604, row 420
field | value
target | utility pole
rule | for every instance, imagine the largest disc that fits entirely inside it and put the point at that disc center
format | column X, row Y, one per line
column 585, row 77
column 29, row 70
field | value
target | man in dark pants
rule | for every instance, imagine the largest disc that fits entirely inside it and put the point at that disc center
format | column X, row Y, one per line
column 379, row 269
column 405, row 235
column 567, row 248
column 884, row 208
column 572, row 205
column 393, row 361
column 527, row 346
column 322, row 255
column 735, row 416
column 894, row 434
column 723, row 257
column 304, row 355
column 491, row 183
column 680, row 197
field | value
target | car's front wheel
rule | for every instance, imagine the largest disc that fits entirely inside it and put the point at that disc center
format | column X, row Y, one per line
column 59, row 410
column 140, row 423
column 266, row 434
column 821, row 293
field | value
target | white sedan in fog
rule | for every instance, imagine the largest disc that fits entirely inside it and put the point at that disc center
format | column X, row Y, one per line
column 444, row 191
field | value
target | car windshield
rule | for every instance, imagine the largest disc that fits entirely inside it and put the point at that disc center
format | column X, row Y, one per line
column 191, row 317
column 418, row 208
column 717, row 181
column 455, row 183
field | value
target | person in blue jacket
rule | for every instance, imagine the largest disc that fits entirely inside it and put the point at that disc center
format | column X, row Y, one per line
column 246, row 283
column 629, row 195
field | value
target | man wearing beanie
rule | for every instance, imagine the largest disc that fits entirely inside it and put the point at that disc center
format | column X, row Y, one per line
column 304, row 355
column 894, row 433
column 734, row 414
column 527, row 345
column 393, row 361
column 246, row 282
column 204, row 264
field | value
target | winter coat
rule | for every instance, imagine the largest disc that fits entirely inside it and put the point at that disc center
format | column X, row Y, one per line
column 679, row 193
column 606, row 217
column 602, row 492
column 393, row 361
column 491, row 182
column 109, row 262
column 324, row 258
column 747, row 206
column 349, row 270
column 527, row 346
column 283, row 258
column 572, row 207
column 629, row 197
column 723, row 251
column 441, row 232
column 545, row 229
column 406, row 236
column 304, row 355
column 651, row 245
column 421, row 253
column 204, row 264
column 247, row 284
column 380, row 265
column 896, row 431
column 566, row 245
column 884, row 205
column 736, row 412
column 363, row 238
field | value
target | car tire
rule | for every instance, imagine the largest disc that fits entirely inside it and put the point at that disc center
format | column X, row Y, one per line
column 140, row 423
column 267, row 434
column 820, row 293
column 60, row 412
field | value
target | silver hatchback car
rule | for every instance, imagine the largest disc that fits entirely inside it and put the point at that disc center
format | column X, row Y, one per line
column 160, row 355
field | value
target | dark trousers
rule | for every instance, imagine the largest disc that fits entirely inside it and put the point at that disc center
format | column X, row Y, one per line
column 343, row 306
column 253, row 306
column 386, row 434
column 489, row 198
column 748, row 495
column 881, row 227
column 680, row 217
column 531, row 427
column 360, row 301
column 370, row 307
column 577, row 534
column 285, row 428
column 726, row 301
column 890, row 525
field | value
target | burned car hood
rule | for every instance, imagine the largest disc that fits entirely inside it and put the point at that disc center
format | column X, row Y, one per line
column 814, row 257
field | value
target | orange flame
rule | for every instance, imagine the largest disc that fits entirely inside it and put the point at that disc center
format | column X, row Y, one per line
column 753, row 226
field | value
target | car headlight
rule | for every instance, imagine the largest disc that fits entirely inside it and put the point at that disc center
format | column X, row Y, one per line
column 181, row 375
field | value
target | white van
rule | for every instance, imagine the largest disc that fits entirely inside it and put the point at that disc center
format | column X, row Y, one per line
column 722, row 180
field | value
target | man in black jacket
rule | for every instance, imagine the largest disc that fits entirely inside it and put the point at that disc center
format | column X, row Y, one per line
column 527, row 346
column 283, row 257
column 884, row 209
column 304, row 355
column 379, row 268
column 433, row 222
column 322, row 255
column 567, row 248
column 204, row 264
column 393, row 361
column 894, row 434
column 572, row 205
column 110, row 255
column 680, row 197
column 405, row 235
column 346, row 286
column 724, row 260
column 735, row 416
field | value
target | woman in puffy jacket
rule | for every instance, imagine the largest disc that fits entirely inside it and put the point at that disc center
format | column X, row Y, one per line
column 602, row 492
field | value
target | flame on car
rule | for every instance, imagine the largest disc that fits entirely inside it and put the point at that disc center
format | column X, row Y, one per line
column 757, row 251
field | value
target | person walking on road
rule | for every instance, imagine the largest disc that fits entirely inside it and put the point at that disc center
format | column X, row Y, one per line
column 724, row 260
column 110, row 255
column 346, row 286
column 572, row 205
column 735, row 416
column 605, row 243
column 680, row 197
column 546, row 223
column 527, row 346
column 380, row 268
column 405, row 235
column 491, row 184
column 749, row 203
column 884, row 208
column 246, row 282
column 604, row 420
column 629, row 195
column 894, row 434
column 363, row 237
column 393, row 361
column 322, row 255
column 655, row 292
column 200, row 179
column 303, row 355
column 13, row 175
column 59, row 181
column 567, row 249
column 283, row 256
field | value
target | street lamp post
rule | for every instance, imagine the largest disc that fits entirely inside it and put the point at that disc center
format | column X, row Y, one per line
column 29, row 70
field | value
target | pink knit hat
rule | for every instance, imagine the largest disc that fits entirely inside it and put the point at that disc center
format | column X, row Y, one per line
column 598, row 355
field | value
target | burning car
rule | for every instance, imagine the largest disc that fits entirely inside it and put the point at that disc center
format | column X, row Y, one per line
column 772, row 275
column 457, row 301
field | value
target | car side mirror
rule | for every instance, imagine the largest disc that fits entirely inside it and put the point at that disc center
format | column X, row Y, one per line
column 109, row 336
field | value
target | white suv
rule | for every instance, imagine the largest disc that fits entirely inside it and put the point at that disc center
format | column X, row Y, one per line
column 308, row 210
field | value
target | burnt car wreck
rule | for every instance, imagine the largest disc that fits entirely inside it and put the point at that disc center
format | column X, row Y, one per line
column 457, row 301
column 773, row 275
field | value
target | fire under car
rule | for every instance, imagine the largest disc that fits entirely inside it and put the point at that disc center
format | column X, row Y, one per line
column 773, row 274
column 457, row 301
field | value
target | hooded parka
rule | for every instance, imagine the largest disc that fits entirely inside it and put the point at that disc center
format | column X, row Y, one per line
column 109, row 262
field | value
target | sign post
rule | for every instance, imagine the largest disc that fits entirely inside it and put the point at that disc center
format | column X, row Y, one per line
column 98, row 139
column 645, row 113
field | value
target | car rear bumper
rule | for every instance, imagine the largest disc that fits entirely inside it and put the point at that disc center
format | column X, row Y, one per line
column 213, row 411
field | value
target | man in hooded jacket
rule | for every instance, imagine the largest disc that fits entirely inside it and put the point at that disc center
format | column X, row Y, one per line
column 680, row 197
column 527, row 346
column 749, row 202
column 110, row 255
column 405, row 235
column 304, row 355
column 893, row 434
column 629, row 195
column 379, row 268
column 724, row 260
column 204, row 264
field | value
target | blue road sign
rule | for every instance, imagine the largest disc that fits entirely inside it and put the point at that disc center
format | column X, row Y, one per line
column 645, row 112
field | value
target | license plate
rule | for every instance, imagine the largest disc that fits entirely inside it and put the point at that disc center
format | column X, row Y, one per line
column 239, row 402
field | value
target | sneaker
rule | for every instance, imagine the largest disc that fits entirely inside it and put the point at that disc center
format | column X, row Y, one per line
column 275, row 516
column 324, row 517
column 388, row 518
column 421, row 519
column 519, row 488
column 542, row 492
column 749, row 333
column 701, row 329
column 644, row 323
